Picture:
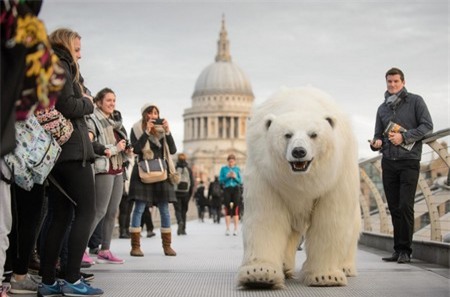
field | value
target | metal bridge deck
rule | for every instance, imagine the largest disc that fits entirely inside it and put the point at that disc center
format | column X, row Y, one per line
column 207, row 263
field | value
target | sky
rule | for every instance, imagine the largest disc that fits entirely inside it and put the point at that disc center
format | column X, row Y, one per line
column 154, row 51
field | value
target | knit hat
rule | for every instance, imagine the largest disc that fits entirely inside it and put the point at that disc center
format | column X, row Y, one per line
column 146, row 106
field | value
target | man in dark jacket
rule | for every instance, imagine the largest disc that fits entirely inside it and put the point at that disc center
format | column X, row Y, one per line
column 183, row 197
column 400, row 163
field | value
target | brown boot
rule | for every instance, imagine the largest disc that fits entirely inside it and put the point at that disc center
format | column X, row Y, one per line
column 135, row 233
column 166, row 235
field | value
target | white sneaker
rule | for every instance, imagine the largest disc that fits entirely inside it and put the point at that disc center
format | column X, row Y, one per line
column 227, row 233
column 235, row 233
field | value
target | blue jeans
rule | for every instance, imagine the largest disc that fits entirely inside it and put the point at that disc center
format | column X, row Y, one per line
column 138, row 210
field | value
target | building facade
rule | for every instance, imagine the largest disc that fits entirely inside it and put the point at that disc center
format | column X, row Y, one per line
column 216, row 123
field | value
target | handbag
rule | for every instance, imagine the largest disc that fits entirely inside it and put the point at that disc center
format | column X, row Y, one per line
column 54, row 122
column 35, row 154
column 174, row 175
column 152, row 171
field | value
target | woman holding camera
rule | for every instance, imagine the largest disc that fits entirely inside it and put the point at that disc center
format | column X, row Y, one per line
column 151, row 139
column 106, row 130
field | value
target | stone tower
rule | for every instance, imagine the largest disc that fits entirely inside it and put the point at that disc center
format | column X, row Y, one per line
column 216, row 123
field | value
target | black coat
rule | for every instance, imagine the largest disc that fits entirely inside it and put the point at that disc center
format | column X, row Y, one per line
column 156, row 192
column 74, row 106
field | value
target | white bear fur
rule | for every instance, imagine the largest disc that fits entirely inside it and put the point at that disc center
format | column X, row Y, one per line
column 281, row 206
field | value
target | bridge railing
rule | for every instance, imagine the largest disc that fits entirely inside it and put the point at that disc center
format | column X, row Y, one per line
column 432, row 205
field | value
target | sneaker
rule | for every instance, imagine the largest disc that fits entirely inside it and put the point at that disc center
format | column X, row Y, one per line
column 105, row 256
column 94, row 251
column 79, row 288
column 26, row 286
column 235, row 233
column 227, row 233
column 87, row 276
column 87, row 259
column 49, row 290
column 3, row 290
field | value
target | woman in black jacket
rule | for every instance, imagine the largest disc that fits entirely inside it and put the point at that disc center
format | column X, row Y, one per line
column 151, row 139
column 74, row 174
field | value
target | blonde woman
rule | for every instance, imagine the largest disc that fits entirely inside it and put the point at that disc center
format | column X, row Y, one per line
column 74, row 174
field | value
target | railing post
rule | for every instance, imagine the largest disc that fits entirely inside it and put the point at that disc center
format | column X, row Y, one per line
column 384, row 221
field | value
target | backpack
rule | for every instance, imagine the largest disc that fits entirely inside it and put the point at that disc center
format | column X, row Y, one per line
column 35, row 154
column 185, row 180
column 216, row 190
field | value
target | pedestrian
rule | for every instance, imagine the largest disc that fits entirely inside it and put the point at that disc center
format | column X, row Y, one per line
column 125, row 205
column 215, row 196
column 200, row 200
column 151, row 138
column 105, row 127
column 402, row 121
column 231, row 180
column 74, row 174
column 183, row 191
column 148, row 221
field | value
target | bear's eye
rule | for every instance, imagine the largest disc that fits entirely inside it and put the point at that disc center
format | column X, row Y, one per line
column 313, row 135
column 288, row 135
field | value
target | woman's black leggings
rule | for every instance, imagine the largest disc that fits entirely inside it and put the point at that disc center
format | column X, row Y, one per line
column 26, row 207
column 78, row 182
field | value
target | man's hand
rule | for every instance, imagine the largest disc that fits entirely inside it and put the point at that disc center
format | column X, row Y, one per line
column 396, row 138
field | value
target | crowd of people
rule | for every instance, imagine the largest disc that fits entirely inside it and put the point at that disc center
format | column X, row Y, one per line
column 77, row 208
column 51, row 226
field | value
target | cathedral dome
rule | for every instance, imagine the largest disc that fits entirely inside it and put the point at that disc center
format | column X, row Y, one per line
column 223, row 76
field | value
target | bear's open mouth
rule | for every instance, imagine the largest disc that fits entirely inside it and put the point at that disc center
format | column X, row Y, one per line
column 300, row 165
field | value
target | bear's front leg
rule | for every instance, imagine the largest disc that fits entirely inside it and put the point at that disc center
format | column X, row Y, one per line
column 330, row 244
column 264, row 246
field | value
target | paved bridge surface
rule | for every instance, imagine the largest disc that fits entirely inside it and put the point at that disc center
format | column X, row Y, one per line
column 207, row 263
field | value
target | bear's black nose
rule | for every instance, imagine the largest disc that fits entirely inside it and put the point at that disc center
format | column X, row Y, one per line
column 299, row 152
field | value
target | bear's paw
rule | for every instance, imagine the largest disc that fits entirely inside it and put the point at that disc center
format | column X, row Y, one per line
column 349, row 270
column 260, row 276
column 325, row 279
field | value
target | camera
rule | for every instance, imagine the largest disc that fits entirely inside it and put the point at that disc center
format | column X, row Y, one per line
column 127, row 144
column 158, row 121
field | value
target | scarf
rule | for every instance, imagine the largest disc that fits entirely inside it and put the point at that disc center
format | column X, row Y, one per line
column 106, row 135
column 156, row 139
column 392, row 101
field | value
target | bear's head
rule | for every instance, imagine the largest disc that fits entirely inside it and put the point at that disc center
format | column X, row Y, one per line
column 300, row 135
column 298, row 142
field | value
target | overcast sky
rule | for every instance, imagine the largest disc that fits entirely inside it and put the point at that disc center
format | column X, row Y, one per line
column 154, row 51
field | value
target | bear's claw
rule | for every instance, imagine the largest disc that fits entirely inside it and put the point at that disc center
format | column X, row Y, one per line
column 325, row 280
column 260, row 277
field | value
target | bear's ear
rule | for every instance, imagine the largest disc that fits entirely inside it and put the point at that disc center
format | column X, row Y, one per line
column 330, row 121
column 268, row 120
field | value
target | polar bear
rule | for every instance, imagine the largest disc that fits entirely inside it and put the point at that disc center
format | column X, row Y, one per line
column 301, row 179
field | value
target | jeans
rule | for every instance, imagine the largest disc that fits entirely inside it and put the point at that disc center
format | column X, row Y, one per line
column 138, row 210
